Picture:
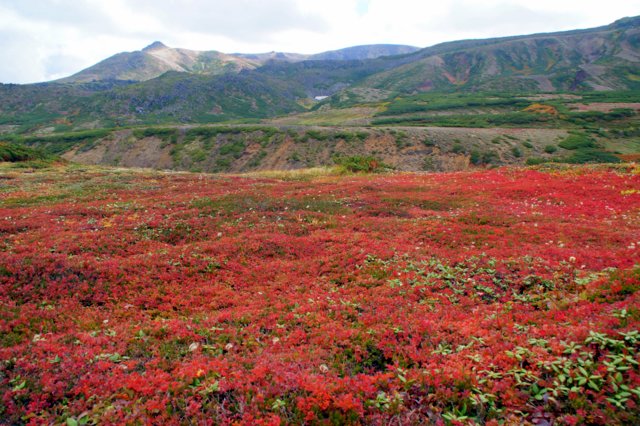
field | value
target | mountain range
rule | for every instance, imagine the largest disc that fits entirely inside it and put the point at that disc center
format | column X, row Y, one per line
column 156, row 59
column 164, row 85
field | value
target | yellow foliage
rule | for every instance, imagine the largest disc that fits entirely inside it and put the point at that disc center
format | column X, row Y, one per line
column 541, row 109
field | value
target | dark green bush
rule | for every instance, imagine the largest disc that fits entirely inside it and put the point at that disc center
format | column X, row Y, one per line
column 591, row 156
column 577, row 141
column 533, row 161
column 59, row 143
column 317, row 135
column 457, row 149
column 487, row 157
column 361, row 164
column 14, row 153
column 234, row 149
column 163, row 133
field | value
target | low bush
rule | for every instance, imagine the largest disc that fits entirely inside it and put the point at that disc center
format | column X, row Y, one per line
column 12, row 152
column 577, row 141
column 361, row 164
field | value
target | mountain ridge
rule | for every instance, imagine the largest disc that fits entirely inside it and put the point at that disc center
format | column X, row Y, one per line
column 183, row 86
column 157, row 58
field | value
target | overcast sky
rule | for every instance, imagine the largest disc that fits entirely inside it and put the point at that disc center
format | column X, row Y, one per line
column 47, row 39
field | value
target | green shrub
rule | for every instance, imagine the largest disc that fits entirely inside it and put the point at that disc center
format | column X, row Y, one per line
column 12, row 152
column 255, row 161
column 457, row 149
column 362, row 135
column 234, row 149
column 591, row 156
column 198, row 156
column 550, row 149
column 164, row 133
column 533, row 161
column 577, row 141
column 59, row 143
column 527, row 144
column 516, row 152
column 222, row 164
column 428, row 164
column 295, row 157
column 317, row 135
column 487, row 157
column 361, row 164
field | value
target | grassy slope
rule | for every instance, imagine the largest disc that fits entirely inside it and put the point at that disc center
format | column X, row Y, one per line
column 515, row 63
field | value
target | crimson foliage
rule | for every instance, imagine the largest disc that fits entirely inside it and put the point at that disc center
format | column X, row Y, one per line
column 130, row 297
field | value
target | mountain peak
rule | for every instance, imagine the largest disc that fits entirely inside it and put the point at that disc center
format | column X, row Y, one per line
column 156, row 45
column 629, row 21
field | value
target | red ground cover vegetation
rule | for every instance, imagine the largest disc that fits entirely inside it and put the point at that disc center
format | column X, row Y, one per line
column 499, row 296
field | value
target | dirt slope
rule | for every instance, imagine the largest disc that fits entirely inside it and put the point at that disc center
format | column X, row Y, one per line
column 243, row 149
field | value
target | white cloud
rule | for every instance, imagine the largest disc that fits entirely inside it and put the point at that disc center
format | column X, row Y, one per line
column 45, row 39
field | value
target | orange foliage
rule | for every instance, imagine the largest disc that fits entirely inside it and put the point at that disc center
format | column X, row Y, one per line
column 541, row 109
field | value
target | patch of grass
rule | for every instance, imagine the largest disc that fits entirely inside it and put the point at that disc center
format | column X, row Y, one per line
column 34, row 201
column 235, row 204
column 448, row 102
column 511, row 119
column 306, row 174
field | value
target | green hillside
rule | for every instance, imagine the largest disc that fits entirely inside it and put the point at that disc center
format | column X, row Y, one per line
column 604, row 58
column 208, row 87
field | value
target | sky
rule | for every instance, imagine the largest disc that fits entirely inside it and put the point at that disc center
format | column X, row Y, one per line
column 42, row 40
